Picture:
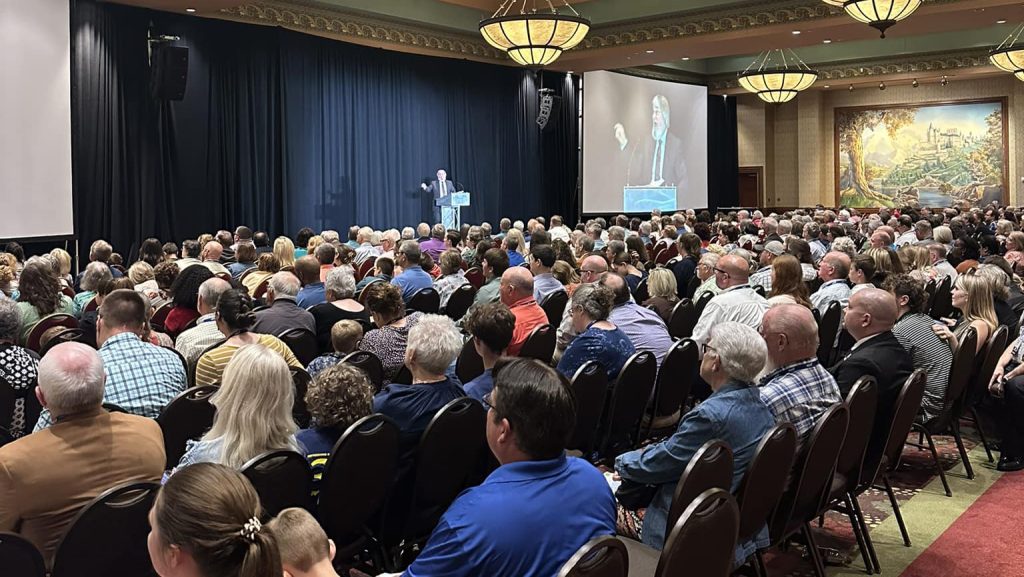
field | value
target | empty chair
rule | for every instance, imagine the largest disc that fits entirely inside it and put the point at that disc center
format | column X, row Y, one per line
column 765, row 480
column 554, row 306
column 186, row 417
column 282, row 479
column 590, row 386
column 629, row 396
column 460, row 301
column 108, row 536
column 540, row 344
column 20, row 557
column 347, row 501
column 672, row 388
column 370, row 365
column 303, row 344
column 600, row 557
column 682, row 320
column 45, row 324
column 828, row 328
column 425, row 301
column 701, row 542
column 301, row 380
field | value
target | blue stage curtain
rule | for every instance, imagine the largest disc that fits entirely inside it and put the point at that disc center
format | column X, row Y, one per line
column 280, row 130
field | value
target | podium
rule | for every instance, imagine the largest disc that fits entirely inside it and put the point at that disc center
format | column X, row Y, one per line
column 646, row 198
column 451, row 208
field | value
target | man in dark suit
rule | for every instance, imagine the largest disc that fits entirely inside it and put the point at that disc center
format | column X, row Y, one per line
column 658, row 160
column 441, row 188
column 869, row 319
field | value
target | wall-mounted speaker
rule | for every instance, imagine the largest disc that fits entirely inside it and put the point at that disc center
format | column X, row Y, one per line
column 168, row 72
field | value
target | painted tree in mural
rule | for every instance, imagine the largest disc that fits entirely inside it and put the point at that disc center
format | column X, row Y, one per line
column 851, row 125
column 987, row 159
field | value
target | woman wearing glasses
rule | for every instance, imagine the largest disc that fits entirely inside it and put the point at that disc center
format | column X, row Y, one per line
column 598, row 340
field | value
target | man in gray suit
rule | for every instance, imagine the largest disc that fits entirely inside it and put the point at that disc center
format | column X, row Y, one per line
column 441, row 188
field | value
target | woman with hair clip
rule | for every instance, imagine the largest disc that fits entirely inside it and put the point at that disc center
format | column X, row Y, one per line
column 972, row 295
column 234, row 319
column 207, row 522
column 254, row 411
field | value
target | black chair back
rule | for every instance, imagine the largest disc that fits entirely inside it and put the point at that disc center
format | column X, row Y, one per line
column 642, row 293
column 959, row 378
column 282, row 479
column 828, row 328
column 703, row 540
column 629, row 398
column 445, row 458
column 907, row 406
column 425, row 301
column 682, row 320
column 812, row 475
column 942, row 304
column 19, row 557
column 108, row 536
column 469, row 365
column 675, row 377
column 930, row 288
column 701, row 302
column 8, row 405
column 977, row 386
column 709, row 468
column 540, row 344
column 65, row 336
column 765, row 479
column 460, row 301
column 303, row 344
column 45, row 324
column 759, row 290
column 356, row 480
column 187, row 416
column 370, row 365
column 403, row 376
column 301, row 380
column 600, row 557
column 554, row 306
column 861, row 402
column 590, row 386
column 5, row 437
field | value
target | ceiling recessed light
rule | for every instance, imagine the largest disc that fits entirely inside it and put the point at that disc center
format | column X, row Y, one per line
column 826, row 86
column 827, row 41
column 1000, row 21
column 190, row 10
column 686, row 57
column 649, row 51
column 796, row 32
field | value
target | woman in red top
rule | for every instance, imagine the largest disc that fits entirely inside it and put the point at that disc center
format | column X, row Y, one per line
column 185, row 296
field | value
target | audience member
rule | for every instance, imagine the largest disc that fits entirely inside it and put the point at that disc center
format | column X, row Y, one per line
column 96, row 273
column 661, row 286
column 285, row 251
column 345, row 336
column 18, row 371
column 937, row 254
column 307, row 268
column 283, row 313
column 388, row 340
column 493, row 264
column 266, row 266
column 305, row 549
column 39, row 295
column 383, row 270
column 644, row 327
column 235, row 319
column 685, row 268
column 542, row 259
column 434, row 245
column 185, row 297
column 733, row 356
column 325, row 255
column 597, row 338
column 367, row 249
column 796, row 389
column 211, row 256
column 452, row 277
column 833, row 270
column 515, row 246
column 763, row 276
column 862, row 273
column 95, row 450
column 591, row 269
column 413, row 278
column 516, row 292
column 1005, row 405
column 972, row 296
column 205, row 334
column 737, row 301
column 491, row 327
column 999, row 281
column 340, row 290
column 99, row 251
column 788, row 286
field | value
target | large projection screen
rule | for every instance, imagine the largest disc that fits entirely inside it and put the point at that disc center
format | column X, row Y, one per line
column 35, row 119
column 645, row 144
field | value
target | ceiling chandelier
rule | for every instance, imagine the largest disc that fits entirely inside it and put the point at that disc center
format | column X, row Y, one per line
column 879, row 14
column 1009, row 55
column 775, row 78
column 532, row 37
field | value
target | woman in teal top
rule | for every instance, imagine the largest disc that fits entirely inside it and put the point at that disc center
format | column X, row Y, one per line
column 39, row 296
column 95, row 275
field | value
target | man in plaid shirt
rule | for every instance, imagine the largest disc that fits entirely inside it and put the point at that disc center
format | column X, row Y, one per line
column 797, row 389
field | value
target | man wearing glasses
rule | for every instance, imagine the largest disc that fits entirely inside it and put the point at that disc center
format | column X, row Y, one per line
column 590, row 271
column 737, row 301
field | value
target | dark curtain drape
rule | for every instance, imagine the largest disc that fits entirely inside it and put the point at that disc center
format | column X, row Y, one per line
column 723, row 152
column 280, row 130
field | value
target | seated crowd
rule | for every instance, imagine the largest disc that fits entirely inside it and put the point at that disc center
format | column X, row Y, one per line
column 93, row 359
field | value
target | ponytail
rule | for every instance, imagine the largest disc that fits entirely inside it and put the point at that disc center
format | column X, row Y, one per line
column 262, row 558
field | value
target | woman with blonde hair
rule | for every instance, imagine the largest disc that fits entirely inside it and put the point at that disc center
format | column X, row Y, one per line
column 517, row 234
column 314, row 241
column 565, row 274
column 916, row 257
column 972, row 295
column 663, row 291
column 885, row 264
column 266, row 265
column 1014, row 241
column 254, row 411
column 284, row 250
column 143, row 275
column 788, row 286
column 64, row 259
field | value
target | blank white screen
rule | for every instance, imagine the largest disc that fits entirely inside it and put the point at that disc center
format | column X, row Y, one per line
column 35, row 119
column 614, row 158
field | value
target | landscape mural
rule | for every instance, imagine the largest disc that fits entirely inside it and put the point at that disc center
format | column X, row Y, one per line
column 935, row 154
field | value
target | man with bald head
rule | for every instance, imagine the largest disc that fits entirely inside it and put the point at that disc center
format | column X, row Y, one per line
column 876, row 352
column 644, row 327
column 797, row 389
column 737, row 302
column 516, row 292
column 591, row 270
column 211, row 257
column 833, row 270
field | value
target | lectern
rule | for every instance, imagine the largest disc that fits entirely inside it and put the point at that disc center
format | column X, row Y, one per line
column 451, row 208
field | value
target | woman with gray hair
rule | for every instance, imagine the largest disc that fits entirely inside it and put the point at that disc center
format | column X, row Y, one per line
column 19, row 369
column 96, row 273
column 340, row 288
column 733, row 356
column 597, row 339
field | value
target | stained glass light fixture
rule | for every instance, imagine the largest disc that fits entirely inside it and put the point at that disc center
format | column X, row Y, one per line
column 1009, row 55
column 532, row 35
column 880, row 14
column 775, row 77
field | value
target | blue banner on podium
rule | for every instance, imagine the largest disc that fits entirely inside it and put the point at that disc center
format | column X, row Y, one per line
column 648, row 198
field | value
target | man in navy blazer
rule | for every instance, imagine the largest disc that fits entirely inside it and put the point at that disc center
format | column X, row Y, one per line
column 440, row 188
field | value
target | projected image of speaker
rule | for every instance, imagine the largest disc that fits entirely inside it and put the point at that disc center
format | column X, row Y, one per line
column 168, row 72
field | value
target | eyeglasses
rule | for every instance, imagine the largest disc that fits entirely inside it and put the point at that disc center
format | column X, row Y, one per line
column 585, row 271
column 706, row 347
column 716, row 269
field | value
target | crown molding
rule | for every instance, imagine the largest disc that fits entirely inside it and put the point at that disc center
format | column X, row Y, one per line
column 367, row 29
column 666, row 74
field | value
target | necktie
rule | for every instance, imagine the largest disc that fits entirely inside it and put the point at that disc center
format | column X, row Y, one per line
column 654, row 165
column 444, row 189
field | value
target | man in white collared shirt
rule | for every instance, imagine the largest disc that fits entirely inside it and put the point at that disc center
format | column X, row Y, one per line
column 833, row 270
column 737, row 301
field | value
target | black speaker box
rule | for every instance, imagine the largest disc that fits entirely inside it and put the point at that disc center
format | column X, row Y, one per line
column 168, row 72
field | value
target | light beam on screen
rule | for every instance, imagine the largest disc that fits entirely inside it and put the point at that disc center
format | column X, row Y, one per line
column 644, row 144
column 35, row 113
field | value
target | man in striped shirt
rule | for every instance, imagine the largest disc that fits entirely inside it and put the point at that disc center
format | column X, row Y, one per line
column 797, row 389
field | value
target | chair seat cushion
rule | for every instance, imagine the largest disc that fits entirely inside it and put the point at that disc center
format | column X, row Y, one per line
column 643, row 560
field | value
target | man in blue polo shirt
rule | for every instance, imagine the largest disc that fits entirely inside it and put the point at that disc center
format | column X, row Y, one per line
column 532, row 513
column 413, row 278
